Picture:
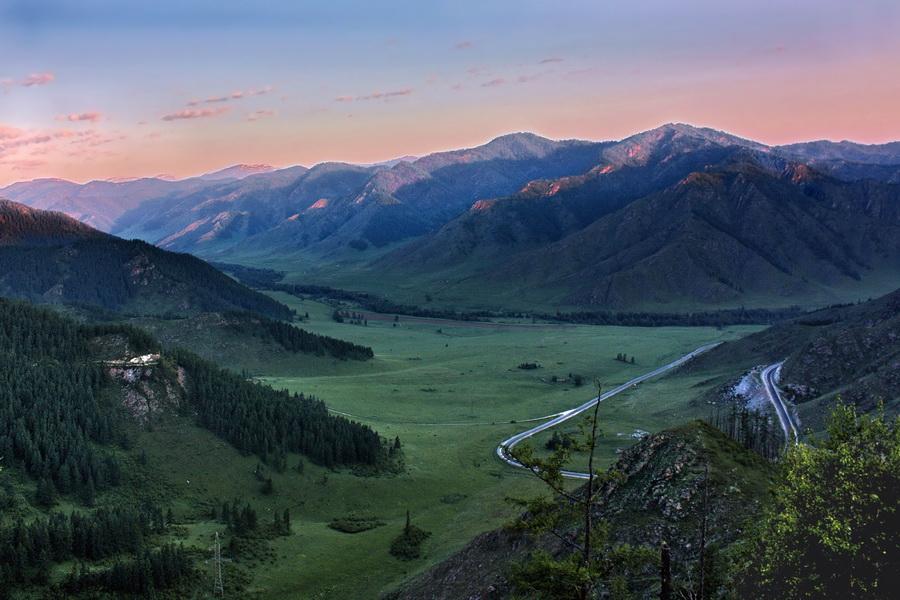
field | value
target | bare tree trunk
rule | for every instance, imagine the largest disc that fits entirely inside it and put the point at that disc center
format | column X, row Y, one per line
column 665, row 572
column 589, row 500
column 703, row 533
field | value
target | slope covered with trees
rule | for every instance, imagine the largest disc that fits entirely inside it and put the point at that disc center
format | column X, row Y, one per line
column 50, row 258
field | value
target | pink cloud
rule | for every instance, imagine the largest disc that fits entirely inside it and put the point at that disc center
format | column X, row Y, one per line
column 235, row 95
column 494, row 82
column 8, row 132
column 23, row 164
column 376, row 95
column 463, row 45
column 260, row 114
column 38, row 79
column 381, row 95
column 195, row 114
column 93, row 117
column 551, row 59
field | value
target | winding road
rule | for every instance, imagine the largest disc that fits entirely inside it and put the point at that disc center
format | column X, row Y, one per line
column 769, row 376
column 507, row 444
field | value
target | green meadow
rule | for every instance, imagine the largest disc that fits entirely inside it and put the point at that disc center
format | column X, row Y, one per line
column 451, row 392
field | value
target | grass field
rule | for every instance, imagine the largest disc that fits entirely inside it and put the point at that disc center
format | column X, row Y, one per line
column 451, row 396
column 451, row 391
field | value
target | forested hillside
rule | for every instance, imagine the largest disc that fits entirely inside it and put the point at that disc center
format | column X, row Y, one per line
column 47, row 257
column 71, row 399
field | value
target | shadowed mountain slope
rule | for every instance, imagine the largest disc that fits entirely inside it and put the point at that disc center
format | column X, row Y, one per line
column 51, row 258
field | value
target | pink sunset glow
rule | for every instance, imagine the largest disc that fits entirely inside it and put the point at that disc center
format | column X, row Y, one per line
column 399, row 91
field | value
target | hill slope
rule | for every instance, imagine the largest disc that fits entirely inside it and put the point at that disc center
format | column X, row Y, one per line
column 49, row 257
column 850, row 350
column 660, row 498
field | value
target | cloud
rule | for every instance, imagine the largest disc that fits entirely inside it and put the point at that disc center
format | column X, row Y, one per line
column 235, row 95
column 376, row 96
column 8, row 132
column 23, row 164
column 22, row 149
column 38, row 79
column 260, row 114
column 195, row 114
column 494, row 82
column 382, row 95
column 463, row 45
column 93, row 117
column 551, row 59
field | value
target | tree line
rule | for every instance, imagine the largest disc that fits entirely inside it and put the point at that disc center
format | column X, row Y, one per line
column 271, row 280
column 260, row 420
column 294, row 339
column 28, row 550
column 752, row 429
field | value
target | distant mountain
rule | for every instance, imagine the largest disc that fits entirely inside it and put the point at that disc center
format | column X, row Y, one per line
column 97, row 203
column 228, row 213
column 237, row 172
column 336, row 206
column 677, row 216
column 825, row 150
column 51, row 258
column 848, row 160
column 525, row 212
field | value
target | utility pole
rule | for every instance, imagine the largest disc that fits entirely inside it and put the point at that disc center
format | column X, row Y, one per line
column 218, row 586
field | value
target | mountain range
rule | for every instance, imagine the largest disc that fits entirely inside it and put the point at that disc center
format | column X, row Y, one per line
column 675, row 216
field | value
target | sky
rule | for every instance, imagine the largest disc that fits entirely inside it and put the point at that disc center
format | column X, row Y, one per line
column 97, row 89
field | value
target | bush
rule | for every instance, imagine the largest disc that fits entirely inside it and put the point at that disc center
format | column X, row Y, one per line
column 408, row 545
column 355, row 523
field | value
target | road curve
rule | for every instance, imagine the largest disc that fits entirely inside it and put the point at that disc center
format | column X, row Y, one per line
column 507, row 444
column 768, row 377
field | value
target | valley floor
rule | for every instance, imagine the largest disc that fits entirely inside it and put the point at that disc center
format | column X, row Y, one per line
column 451, row 393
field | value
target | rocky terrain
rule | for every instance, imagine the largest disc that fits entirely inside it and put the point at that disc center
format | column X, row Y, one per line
column 659, row 498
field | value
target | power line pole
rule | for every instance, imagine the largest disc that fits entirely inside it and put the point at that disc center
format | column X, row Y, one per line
column 218, row 586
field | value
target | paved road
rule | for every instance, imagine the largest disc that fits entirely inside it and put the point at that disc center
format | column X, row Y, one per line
column 769, row 378
column 507, row 444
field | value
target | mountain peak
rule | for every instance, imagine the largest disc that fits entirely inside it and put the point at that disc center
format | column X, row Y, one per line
column 671, row 139
column 238, row 171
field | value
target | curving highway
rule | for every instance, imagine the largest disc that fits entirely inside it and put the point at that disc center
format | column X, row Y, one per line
column 769, row 378
column 507, row 444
